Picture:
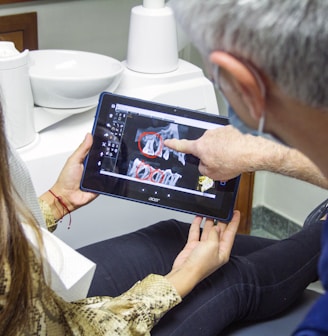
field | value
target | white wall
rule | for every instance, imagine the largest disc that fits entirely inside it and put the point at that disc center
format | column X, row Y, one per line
column 102, row 26
column 91, row 25
column 288, row 197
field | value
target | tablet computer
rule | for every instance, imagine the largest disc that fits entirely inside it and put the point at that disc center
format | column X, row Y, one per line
column 128, row 158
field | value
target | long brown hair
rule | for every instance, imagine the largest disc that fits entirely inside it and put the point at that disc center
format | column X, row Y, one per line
column 15, row 302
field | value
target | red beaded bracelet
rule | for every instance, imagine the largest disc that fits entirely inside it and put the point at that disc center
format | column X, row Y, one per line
column 61, row 202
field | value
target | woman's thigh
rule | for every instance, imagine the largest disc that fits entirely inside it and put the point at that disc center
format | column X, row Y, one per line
column 262, row 277
column 124, row 260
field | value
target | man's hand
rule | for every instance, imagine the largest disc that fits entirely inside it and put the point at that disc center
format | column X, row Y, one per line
column 222, row 152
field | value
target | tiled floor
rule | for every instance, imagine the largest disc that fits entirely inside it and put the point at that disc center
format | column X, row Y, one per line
column 262, row 233
column 273, row 224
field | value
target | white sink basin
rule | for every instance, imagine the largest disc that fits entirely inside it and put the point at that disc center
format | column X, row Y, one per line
column 71, row 79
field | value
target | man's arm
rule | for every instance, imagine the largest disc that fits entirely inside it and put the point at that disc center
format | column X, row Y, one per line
column 225, row 153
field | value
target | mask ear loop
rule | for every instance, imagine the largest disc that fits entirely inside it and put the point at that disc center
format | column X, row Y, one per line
column 215, row 80
column 216, row 83
column 263, row 94
column 261, row 125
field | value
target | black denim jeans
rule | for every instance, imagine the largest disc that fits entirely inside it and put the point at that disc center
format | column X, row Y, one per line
column 262, row 278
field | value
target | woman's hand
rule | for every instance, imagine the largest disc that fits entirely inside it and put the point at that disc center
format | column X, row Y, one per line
column 67, row 185
column 204, row 253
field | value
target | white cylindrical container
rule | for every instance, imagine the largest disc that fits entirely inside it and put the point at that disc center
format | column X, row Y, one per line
column 152, row 45
column 16, row 95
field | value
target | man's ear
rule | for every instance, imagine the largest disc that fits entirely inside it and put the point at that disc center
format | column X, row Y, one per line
column 246, row 81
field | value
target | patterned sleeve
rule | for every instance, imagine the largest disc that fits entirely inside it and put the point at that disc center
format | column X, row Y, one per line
column 48, row 216
column 133, row 313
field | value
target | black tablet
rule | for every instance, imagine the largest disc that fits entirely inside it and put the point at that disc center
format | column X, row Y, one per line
column 129, row 160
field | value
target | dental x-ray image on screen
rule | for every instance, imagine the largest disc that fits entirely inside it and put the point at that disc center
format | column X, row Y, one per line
column 129, row 160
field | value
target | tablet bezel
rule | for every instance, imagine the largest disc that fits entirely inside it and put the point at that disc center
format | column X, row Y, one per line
column 156, row 194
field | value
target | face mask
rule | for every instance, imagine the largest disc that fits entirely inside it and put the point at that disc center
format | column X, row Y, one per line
column 233, row 117
column 236, row 122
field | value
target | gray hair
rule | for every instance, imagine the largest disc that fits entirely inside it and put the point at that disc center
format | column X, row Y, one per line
column 285, row 39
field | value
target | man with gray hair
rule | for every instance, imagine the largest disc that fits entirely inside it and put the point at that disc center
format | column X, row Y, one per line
column 269, row 58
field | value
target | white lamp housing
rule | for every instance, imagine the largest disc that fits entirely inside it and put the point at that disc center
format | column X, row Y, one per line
column 152, row 45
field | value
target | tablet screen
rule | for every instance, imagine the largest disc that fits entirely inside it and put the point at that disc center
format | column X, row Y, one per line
column 129, row 160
